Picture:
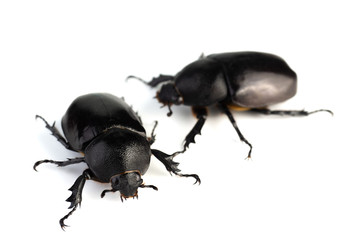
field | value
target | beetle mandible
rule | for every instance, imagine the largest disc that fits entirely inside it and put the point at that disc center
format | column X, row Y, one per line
column 249, row 81
column 114, row 145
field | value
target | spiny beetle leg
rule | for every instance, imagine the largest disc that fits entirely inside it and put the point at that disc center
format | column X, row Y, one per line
column 76, row 196
column 201, row 114
column 171, row 166
column 56, row 133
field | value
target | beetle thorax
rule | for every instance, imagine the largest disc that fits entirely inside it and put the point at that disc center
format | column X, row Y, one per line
column 117, row 151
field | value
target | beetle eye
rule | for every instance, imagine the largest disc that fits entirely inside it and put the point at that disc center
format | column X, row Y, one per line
column 115, row 182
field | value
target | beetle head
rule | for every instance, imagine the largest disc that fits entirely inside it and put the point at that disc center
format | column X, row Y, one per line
column 127, row 184
column 169, row 95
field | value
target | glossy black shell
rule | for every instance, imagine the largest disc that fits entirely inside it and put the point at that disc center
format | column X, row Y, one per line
column 109, row 133
column 90, row 115
column 248, row 79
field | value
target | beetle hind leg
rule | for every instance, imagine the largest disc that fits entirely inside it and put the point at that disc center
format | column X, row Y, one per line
column 293, row 113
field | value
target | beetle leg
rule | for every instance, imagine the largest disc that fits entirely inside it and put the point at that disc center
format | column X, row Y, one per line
column 60, row 163
column 201, row 114
column 76, row 197
column 171, row 166
column 288, row 112
column 225, row 110
column 56, row 134
column 155, row 81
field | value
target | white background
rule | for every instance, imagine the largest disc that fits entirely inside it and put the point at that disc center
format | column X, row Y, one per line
column 293, row 188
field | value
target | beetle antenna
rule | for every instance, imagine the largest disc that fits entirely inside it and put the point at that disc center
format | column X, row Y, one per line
column 106, row 191
column 170, row 111
column 137, row 78
column 149, row 186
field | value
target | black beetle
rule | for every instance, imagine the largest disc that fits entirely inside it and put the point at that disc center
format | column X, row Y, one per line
column 240, row 80
column 114, row 145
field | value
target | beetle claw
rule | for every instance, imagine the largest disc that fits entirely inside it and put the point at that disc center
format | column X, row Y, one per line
column 63, row 225
column 61, row 221
column 37, row 164
column 170, row 111
column 322, row 110
column 197, row 178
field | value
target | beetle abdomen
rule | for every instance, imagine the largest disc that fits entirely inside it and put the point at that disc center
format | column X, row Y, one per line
column 260, row 89
column 257, row 79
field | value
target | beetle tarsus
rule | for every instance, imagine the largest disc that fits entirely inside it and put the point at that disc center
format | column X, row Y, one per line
column 197, row 178
column 171, row 166
column 322, row 110
column 61, row 221
column 155, row 81
column 293, row 113
column 60, row 163
column 226, row 110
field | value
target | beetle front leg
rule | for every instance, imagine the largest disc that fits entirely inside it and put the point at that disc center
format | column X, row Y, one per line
column 201, row 114
column 56, row 133
column 76, row 197
column 171, row 166
column 225, row 110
